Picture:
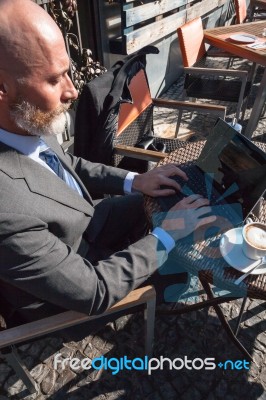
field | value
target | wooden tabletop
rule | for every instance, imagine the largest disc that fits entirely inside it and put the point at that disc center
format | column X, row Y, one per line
column 220, row 37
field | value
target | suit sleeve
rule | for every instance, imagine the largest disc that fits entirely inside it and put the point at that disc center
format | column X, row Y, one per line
column 98, row 177
column 36, row 261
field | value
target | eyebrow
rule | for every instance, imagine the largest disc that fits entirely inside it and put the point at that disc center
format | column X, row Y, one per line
column 57, row 75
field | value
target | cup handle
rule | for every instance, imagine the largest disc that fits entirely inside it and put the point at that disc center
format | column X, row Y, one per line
column 249, row 220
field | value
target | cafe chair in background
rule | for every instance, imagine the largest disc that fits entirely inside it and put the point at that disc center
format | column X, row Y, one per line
column 130, row 133
column 136, row 118
column 241, row 11
column 257, row 10
column 256, row 13
column 203, row 82
column 10, row 336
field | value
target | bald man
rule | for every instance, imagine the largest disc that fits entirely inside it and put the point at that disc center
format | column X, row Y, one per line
column 58, row 251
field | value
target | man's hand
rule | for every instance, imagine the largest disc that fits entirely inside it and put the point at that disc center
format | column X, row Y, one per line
column 186, row 216
column 150, row 182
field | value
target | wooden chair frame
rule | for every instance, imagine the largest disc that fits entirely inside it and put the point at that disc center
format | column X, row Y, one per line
column 23, row 333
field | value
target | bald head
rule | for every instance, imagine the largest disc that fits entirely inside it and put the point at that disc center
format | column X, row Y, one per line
column 34, row 81
column 26, row 31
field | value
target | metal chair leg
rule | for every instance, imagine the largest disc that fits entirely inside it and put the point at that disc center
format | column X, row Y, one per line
column 180, row 113
column 240, row 315
column 149, row 316
column 241, row 97
column 224, row 322
column 14, row 360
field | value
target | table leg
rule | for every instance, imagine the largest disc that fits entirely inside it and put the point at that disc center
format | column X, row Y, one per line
column 214, row 302
column 257, row 107
column 239, row 320
column 223, row 321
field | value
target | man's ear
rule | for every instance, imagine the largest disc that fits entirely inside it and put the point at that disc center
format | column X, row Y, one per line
column 3, row 90
column 3, row 87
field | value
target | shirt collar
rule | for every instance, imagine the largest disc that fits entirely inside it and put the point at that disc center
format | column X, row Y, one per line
column 28, row 145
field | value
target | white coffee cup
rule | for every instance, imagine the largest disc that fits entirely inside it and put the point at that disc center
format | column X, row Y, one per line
column 254, row 240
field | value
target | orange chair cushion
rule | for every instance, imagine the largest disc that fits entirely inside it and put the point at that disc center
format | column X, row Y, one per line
column 191, row 41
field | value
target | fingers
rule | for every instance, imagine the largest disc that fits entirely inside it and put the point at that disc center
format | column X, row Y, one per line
column 163, row 192
column 172, row 170
column 199, row 212
column 170, row 182
column 150, row 182
column 193, row 201
column 193, row 197
column 199, row 203
column 206, row 221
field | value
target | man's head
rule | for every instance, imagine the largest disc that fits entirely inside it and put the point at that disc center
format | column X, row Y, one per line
column 35, row 88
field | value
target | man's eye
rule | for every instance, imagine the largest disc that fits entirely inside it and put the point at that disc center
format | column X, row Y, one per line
column 54, row 81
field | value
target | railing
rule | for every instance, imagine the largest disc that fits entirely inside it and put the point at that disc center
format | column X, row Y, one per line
column 65, row 14
column 143, row 24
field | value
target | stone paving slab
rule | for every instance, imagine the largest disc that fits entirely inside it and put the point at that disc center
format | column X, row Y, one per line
column 194, row 335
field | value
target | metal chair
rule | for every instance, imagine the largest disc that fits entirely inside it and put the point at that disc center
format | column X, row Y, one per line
column 241, row 11
column 132, row 124
column 202, row 82
column 135, row 121
column 257, row 10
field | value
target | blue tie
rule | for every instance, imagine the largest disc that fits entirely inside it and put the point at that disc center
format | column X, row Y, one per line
column 51, row 159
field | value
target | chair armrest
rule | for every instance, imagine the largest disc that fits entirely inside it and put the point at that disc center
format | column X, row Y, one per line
column 66, row 319
column 142, row 154
column 216, row 71
column 190, row 106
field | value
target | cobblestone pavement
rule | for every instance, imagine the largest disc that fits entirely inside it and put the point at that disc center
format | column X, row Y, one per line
column 193, row 335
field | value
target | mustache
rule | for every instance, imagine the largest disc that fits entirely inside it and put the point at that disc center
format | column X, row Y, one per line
column 30, row 109
column 33, row 120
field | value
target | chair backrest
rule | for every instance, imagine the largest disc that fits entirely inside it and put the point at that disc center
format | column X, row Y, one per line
column 241, row 11
column 141, row 99
column 135, row 120
column 191, row 41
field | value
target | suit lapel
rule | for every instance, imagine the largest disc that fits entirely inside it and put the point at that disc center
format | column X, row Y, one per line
column 40, row 180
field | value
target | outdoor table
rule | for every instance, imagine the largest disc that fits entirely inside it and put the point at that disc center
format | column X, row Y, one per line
column 220, row 37
column 203, row 258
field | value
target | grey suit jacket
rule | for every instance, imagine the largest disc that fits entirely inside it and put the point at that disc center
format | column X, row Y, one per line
column 42, row 222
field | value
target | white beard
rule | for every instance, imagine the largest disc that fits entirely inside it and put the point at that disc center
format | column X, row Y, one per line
column 27, row 117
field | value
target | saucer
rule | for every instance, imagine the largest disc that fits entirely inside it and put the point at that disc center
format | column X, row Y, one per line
column 243, row 38
column 231, row 250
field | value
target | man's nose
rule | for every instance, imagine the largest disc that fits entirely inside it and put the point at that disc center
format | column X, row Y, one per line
column 70, row 92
